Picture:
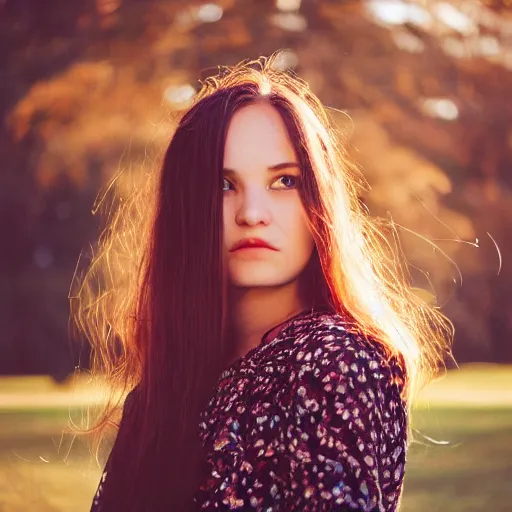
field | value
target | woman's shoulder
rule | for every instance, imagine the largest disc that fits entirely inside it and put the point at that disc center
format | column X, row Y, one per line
column 335, row 333
column 327, row 343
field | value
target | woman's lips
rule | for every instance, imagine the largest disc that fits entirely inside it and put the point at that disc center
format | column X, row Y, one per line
column 252, row 243
column 247, row 248
column 253, row 253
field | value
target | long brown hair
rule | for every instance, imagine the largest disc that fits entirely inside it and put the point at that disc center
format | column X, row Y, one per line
column 153, row 303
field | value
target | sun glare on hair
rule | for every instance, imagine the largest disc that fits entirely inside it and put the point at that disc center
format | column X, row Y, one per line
column 265, row 88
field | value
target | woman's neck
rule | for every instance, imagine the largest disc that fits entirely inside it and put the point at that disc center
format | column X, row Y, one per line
column 253, row 311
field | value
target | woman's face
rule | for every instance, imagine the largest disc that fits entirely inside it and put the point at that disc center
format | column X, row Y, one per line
column 261, row 200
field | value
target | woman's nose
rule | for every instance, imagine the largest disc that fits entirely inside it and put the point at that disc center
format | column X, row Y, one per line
column 253, row 208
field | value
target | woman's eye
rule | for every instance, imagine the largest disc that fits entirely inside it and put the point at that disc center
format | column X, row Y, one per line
column 289, row 181
column 226, row 184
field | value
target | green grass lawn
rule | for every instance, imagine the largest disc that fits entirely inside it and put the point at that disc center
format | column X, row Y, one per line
column 469, row 469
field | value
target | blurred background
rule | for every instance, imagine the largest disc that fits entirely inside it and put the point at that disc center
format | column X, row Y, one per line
column 421, row 88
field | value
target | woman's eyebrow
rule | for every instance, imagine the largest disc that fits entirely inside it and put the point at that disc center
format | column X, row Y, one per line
column 284, row 165
column 277, row 167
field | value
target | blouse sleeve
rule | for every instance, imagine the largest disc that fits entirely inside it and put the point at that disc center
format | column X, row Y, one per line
column 347, row 438
column 333, row 440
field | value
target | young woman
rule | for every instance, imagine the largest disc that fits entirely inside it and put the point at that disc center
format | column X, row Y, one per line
column 269, row 338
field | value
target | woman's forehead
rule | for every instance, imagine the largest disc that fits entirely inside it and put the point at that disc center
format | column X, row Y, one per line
column 257, row 135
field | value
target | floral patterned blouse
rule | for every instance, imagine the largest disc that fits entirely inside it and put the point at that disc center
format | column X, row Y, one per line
column 312, row 419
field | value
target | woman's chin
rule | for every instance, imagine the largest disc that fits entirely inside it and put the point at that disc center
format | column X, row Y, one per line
column 255, row 280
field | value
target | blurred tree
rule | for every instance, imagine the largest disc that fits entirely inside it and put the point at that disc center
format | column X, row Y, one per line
column 87, row 88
